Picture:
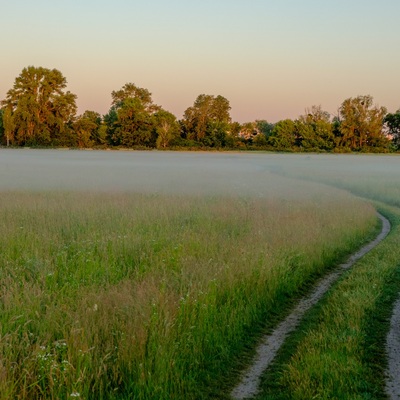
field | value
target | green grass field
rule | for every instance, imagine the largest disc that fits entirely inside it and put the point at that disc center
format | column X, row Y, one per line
column 338, row 352
column 107, row 294
column 121, row 296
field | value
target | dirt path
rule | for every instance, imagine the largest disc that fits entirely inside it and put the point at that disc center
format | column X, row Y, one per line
column 270, row 345
column 393, row 351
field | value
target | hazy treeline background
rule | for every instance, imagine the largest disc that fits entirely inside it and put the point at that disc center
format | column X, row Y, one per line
column 38, row 111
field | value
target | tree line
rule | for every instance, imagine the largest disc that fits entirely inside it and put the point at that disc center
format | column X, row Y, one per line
column 39, row 111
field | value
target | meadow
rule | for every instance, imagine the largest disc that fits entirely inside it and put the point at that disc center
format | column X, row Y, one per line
column 154, row 281
column 339, row 350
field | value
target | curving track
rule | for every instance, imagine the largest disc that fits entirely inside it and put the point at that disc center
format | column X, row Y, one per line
column 270, row 345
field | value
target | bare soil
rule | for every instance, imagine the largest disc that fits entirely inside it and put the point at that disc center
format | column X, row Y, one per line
column 270, row 344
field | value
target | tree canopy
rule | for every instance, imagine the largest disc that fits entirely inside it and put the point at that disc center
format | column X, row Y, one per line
column 39, row 111
column 393, row 124
column 361, row 124
column 40, row 108
column 207, row 121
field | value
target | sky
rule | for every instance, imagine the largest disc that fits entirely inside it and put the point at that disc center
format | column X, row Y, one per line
column 271, row 59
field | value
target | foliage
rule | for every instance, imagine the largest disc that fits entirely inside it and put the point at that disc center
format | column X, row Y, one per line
column 38, row 111
column 41, row 109
column 8, row 125
column 131, row 91
column 361, row 125
column 352, row 341
column 87, row 129
column 207, row 121
column 315, row 130
column 283, row 135
column 393, row 124
column 130, row 121
column 134, row 125
column 167, row 128
column 120, row 296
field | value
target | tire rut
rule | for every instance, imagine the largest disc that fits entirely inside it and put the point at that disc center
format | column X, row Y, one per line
column 270, row 345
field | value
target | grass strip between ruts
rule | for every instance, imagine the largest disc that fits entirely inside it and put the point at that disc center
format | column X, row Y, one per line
column 338, row 352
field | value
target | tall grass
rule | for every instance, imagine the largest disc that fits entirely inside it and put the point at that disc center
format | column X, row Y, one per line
column 152, row 296
column 338, row 352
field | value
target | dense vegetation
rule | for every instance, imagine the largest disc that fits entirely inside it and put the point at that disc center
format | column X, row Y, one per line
column 121, row 296
column 338, row 352
column 38, row 111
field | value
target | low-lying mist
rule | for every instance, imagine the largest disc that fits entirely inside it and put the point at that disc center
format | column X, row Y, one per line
column 249, row 174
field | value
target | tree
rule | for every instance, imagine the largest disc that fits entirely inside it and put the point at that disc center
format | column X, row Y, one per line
column 41, row 110
column 134, row 125
column 88, row 129
column 166, row 127
column 264, row 127
column 8, row 125
column 361, row 125
column 131, row 91
column 130, row 120
column 315, row 130
column 199, row 121
column 392, row 122
column 283, row 136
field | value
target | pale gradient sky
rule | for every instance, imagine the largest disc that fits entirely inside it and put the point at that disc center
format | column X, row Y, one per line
column 270, row 58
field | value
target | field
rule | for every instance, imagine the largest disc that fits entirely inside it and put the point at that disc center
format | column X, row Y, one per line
column 152, row 275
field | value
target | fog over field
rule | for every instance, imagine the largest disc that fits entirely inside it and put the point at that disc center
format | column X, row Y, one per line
column 149, row 274
column 185, row 172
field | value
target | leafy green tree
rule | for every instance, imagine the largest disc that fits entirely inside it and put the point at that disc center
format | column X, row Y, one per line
column 361, row 125
column 130, row 121
column 315, row 130
column 283, row 135
column 167, row 128
column 264, row 127
column 8, row 125
column 392, row 122
column 207, row 114
column 131, row 91
column 42, row 111
column 110, row 123
column 218, row 134
column 88, row 130
column 134, row 125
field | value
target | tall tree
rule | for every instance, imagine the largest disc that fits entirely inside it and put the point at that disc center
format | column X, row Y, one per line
column 315, row 130
column 166, row 127
column 200, row 119
column 134, row 125
column 8, row 125
column 42, row 111
column 130, row 120
column 361, row 125
column 131, row 91
column 87, row 128
column 283, row 136
column 393, row 124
